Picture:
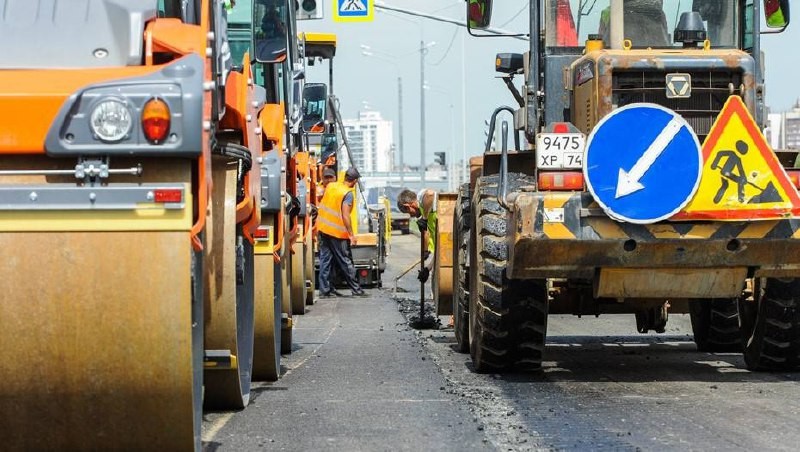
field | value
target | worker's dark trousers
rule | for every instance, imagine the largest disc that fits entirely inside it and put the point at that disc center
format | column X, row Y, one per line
column 335, row 251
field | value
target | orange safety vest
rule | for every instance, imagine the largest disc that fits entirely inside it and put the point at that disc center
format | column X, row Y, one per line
column 330, row 220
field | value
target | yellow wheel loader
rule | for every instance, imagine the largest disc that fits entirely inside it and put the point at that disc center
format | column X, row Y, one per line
column 643, row 185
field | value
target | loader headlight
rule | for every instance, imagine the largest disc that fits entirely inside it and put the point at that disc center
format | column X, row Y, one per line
column 111, row 120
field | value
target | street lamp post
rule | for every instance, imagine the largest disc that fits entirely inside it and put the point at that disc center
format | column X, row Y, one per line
column 452, row 180
column 422, row 52
column 366, row 51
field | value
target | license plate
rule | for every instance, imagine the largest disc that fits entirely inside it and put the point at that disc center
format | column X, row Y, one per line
column 560, row 150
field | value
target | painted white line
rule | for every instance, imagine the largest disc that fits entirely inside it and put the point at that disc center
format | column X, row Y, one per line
column 325, row 341
column 212, row 431
column 392, row 400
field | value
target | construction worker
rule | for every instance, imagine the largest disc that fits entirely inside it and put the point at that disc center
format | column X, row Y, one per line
column 423, row 207
column 328, row 176
column 336, row 235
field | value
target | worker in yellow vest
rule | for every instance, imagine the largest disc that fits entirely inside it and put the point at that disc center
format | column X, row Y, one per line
column 422, row 206
column 336, row 235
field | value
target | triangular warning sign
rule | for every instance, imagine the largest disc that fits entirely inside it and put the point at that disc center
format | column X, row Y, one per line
column 742, row 178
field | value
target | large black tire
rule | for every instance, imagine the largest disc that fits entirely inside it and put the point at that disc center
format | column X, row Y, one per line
column 508, row 318
column 461, row 226
column 715, row 323
column 771, row 325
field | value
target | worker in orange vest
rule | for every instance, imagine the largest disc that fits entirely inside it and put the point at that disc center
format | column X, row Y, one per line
column 336, row 235
column 328, row 177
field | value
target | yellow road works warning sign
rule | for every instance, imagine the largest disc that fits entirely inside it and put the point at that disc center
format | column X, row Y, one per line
column 742, row 178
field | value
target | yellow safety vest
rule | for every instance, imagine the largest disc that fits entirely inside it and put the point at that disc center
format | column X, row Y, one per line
column 330, row 220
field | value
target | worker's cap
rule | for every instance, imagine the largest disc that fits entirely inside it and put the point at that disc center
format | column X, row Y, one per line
column 352, row 174
column 328, row 172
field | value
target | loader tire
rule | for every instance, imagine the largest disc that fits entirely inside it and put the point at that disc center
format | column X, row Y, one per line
column 461, row 227
column 771, row 326
column 715, row 324
column 508, row 318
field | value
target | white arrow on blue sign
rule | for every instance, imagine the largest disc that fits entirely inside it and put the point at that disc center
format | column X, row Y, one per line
column 643, row 163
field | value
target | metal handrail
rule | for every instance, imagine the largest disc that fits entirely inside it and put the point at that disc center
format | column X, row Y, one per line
column 502, row 189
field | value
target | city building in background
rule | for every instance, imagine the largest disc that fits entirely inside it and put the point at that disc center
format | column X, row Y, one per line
column 371, row 142
column 783, row 129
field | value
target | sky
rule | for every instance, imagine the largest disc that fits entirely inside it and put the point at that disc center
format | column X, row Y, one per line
column 464, row 91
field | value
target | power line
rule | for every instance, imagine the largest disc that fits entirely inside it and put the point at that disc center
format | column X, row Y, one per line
column 525, row 7
column 492, row 31
column 449, row 47
column 448, row 7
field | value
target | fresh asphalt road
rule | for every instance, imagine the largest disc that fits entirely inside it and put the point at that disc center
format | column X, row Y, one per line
column 357, row 379
column 360, row 379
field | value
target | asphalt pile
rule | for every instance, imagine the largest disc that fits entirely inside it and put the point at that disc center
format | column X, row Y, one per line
column 409, row 307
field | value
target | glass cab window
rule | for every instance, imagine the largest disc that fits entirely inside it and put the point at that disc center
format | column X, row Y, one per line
column 315, row 97
column 271, row 17
column 646, row 23
column 170, row 8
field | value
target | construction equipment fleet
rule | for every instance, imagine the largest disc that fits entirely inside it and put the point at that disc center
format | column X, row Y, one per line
column 329, row 148
column 613, row 206
column 146, row 218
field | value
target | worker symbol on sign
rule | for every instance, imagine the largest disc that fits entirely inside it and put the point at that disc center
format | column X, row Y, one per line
column 353, row 5
column 732, row 170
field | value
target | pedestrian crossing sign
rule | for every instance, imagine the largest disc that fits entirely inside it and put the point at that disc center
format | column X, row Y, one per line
column 353, row 10
column 741, row 178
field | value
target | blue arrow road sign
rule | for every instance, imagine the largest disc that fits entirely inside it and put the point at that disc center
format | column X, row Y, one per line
column 642, row 163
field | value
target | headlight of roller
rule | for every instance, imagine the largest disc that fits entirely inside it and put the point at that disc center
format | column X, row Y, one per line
column 111, row 120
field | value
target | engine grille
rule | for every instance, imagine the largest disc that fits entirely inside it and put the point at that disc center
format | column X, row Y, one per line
column 710, row 90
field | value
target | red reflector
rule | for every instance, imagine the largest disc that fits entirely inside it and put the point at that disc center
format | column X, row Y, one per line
column 570, row 180
column 794, row 176
column 364, row 273
column 169, row 195
column 262, row 233
column 560, row 128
